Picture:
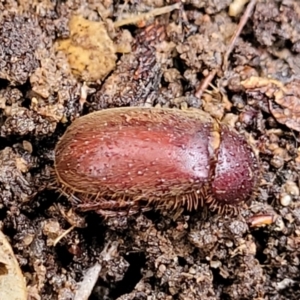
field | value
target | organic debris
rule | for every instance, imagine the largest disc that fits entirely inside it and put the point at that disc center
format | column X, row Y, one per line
column 12, row 281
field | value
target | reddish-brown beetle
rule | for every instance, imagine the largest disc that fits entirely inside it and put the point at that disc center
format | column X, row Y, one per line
column 115, row 160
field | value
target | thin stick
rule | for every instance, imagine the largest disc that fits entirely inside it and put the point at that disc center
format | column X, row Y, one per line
column 208, row 79
column 205, row 83
column 242, row 23
column 135, row 18
column 63, row 235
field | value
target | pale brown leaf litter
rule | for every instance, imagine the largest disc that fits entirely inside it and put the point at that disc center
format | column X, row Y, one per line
column 151, row 256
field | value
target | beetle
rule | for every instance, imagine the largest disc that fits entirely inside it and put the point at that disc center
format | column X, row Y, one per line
column 120, row 160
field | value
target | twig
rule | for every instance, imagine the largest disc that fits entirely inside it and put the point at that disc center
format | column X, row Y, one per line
column 208, row 79
column 135, row 18
column 242, row 23
column 205, row 83
column 62, row 235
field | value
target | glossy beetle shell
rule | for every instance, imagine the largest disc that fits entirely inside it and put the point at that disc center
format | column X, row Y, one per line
column 114, row 160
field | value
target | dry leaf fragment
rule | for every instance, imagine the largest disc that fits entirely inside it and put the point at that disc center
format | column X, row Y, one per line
column 287, row 98
column 12, row 282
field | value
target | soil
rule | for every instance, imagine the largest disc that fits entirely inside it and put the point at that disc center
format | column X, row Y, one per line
column 151, row 255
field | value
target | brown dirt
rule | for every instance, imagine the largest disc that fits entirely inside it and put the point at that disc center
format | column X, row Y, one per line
column 200, row 255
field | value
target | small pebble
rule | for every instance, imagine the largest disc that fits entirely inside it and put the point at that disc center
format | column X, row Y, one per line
column 285, row 199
